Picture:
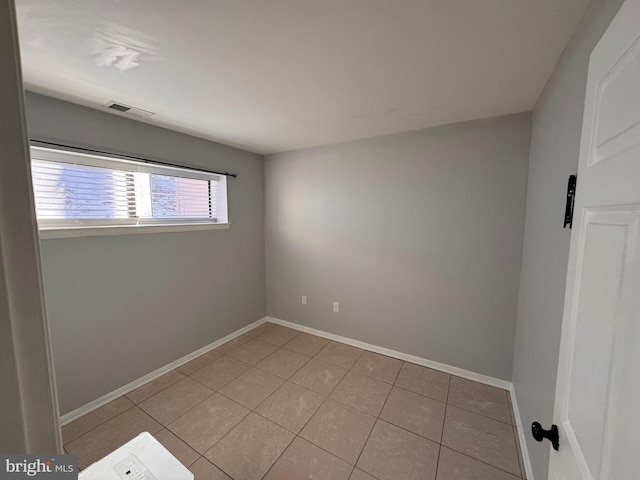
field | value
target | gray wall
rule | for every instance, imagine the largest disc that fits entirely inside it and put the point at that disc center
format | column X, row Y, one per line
column 122, row 306
column 418, row 236
column 555, row 139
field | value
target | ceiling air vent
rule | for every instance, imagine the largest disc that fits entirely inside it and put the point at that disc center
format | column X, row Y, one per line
column 129, row 110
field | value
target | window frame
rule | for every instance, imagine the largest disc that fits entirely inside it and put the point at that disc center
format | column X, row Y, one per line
column 54, row 228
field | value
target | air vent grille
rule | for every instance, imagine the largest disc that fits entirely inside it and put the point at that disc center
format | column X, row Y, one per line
column 120, row 108
column 129, row 110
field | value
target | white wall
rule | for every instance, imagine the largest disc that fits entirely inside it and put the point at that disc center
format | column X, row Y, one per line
column 418, row 235
column 123, row 306
column 555, row 139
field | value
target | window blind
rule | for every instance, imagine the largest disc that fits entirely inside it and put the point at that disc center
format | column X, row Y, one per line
column 73, row 189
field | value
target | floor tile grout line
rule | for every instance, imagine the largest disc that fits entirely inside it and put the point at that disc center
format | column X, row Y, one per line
column 108, row 420
column 455, row 450
column 182, row 414
column 326, row 342
column 506, row 392
column 244, row 406
column 326, row 451
column 205, row 385
column 226, row 433
column 268, row 396
column 368, row 436
column 298, row 333
column 314, row 413
column 124, row 411
column 213, row 361
column 193, row 360
column 421, row 394
column 275, row 423
column 245, row 361
column 279, row 457
column 452, row 404
column 450, row 375
column 480, row 415
column 435, row 477
column 377, row 418
column 213, row 392
column 478, row 460
column 409, row 431
column 371, row 475
column 339, row 366
column 190, row 447
column 375, row 378
column 217, row 441
column 292, row 383
column 198, row 458
column 444, row 421
column 446, row 408
column 415, row 364
column 519, row 452
column 448, row 390
column 191, row 378
column 297, row 435
column 331, row 365
column 102, row 422
column 515, row 434
column 164, row 388
column 282, row 348
column 215, row 464
column 251, row 338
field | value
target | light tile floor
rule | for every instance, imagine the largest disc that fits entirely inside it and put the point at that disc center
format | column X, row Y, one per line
column 278, row 404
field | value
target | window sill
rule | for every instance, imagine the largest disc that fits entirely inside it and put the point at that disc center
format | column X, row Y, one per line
column 98, row 231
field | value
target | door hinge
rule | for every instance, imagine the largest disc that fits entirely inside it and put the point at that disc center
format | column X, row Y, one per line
column 571, row 198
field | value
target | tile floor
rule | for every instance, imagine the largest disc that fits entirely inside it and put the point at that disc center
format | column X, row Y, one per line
column 278, row 404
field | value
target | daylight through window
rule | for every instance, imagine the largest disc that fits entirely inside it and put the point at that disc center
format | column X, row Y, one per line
column 73, row 189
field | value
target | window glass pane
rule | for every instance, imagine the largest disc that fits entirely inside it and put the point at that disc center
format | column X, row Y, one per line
column 175, row 197
column 64, row 191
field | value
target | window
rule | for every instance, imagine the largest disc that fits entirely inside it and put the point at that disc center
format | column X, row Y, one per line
column 74, row 190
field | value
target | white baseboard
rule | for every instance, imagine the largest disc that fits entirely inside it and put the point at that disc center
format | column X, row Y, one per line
column 521, row 435
column 459, row 372
column 99, row 402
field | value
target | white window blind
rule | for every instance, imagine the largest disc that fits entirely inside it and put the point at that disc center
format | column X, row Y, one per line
column 74, row 189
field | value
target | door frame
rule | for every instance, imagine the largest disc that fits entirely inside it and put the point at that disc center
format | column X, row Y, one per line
column 29, row 412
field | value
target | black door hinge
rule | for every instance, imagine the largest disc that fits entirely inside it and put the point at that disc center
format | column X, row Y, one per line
column 571, row 198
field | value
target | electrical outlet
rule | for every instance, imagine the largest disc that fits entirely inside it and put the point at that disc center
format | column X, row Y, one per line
column 336, row 307
column 304, row 299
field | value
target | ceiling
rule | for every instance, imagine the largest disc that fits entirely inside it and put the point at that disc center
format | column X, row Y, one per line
column 276, row 75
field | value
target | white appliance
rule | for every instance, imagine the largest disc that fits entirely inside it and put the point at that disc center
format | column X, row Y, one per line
column 143, row 458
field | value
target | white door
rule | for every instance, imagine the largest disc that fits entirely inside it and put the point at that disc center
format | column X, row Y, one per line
column 597, row 406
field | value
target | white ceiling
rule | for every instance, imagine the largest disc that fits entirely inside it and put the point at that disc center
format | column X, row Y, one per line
column 276, row 75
